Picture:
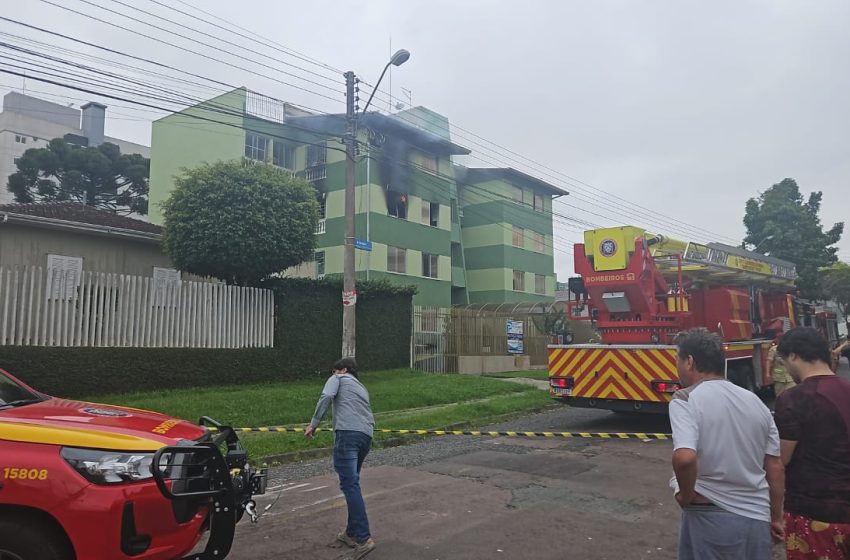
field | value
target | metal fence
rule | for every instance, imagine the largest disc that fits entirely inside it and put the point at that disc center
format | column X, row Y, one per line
column 442, row 335
column 40, row 307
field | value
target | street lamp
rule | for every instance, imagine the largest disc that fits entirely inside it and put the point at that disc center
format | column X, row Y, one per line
column 349, row 293
column 762, row 242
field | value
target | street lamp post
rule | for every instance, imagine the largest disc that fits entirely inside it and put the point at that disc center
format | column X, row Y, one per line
column 762, row 242
column 349, row 295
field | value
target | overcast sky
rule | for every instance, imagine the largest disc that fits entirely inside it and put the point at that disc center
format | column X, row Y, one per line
column 684, row 108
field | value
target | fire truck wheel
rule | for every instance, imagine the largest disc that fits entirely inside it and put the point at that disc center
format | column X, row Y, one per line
column 20, row 540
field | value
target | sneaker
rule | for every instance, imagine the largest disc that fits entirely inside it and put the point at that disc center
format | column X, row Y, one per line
column 362, row 549
column 342, row 540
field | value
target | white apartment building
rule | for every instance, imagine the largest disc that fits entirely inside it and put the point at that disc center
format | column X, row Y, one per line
column 28, row 122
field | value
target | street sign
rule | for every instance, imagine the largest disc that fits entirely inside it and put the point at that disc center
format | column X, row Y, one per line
column 514, row 330
column 362, row 244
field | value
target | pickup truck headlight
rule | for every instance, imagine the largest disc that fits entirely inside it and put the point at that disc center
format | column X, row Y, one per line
column 109, row 467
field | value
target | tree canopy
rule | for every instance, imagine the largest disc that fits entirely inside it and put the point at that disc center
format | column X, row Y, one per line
column 782, row 223
column 102, row 177
column 239, row 221
column 835, row 282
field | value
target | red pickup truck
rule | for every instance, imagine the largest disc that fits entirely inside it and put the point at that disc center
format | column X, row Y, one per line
column 90, row 481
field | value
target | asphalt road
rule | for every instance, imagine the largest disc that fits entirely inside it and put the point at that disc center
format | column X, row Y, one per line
column 483, row 498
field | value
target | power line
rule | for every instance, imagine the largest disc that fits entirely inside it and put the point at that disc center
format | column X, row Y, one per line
column 164, row 42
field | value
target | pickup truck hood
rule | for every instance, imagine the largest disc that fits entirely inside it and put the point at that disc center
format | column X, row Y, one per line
column 100, row 426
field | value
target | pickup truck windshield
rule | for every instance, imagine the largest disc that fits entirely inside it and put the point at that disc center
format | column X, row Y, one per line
column 13, row 394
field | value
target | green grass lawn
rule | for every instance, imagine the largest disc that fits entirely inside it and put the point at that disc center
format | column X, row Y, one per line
column 401, row 399
column 540, row 374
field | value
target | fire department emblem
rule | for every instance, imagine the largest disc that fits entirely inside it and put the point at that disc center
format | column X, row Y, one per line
column 608, row 248
column 105, row 412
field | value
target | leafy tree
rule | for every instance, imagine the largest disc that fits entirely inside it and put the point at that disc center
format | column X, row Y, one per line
column 102, row 177
column 239, row 221
column 780, row 222
column 836, row 286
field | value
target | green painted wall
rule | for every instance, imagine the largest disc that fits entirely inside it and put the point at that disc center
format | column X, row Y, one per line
column 496, row 256
column 185, row 139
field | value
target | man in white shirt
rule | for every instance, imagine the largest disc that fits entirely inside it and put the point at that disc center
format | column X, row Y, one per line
column 729, row 476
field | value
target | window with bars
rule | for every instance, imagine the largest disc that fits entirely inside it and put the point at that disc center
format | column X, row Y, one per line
column 396, row 259
column 518, row 237
column 256, row 146
column 320, row 264
column 539, row 284
column 429, row 265
column 519, row 281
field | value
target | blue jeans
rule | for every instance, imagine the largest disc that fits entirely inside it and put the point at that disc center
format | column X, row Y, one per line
column 350, row 450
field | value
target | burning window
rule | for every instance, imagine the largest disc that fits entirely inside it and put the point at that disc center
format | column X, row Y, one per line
column 397, row 204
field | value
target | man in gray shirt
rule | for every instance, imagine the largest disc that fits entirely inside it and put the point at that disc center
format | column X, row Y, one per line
column 729, row 477
column 353, row 425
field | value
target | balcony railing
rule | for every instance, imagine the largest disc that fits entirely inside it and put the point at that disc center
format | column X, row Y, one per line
column 316, row 173
column 320, row 227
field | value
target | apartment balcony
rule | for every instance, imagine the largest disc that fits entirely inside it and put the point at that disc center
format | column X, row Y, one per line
column 320, row 227
column 316, row 173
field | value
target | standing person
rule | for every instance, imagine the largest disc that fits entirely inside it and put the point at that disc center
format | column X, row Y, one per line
column 728, row 474
column 814, row 429
column 353, row 425
column 782, row 380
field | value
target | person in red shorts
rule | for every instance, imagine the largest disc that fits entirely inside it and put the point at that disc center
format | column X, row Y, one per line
column 813, row 420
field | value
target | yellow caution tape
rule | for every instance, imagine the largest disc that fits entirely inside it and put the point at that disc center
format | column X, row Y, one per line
column 584, row 435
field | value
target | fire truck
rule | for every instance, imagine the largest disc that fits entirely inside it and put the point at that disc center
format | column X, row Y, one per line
column 640, row 290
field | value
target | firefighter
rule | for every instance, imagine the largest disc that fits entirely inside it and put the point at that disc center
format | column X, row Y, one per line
column 782, row 380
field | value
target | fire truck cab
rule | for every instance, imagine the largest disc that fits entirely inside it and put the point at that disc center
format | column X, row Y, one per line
column 640, row 290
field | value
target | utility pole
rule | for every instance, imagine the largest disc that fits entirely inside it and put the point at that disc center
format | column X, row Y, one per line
column 349, row 296
column 349, row 289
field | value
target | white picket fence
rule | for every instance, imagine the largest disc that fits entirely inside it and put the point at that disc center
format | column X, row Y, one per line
column 41, row 308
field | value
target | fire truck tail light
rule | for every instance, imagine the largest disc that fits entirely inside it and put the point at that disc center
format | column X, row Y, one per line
column 666, row 386
column 561, row 382
column 109, row 467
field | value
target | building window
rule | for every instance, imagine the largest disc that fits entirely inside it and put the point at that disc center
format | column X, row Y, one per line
column 322, row 198
column 429, row 265
column 16, row 161
column 429, row 162
column 283, row 155
column 455, row 216
column 518, row 237
column 397, row 204
column 63, row 276
column 317, row 154
column 517, row 194
column 256, row 146
column 539, row 242
column 539, row 284
column 430, row 213
column 538, row 202
column 519, row 281
column 20, row 139
column 320, row 264
column 396, row 259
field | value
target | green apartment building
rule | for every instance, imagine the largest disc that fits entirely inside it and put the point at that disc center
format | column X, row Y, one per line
column 450, row 231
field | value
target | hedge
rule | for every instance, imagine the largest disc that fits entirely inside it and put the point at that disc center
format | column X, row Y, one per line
column 308, row 340
column 78, row 372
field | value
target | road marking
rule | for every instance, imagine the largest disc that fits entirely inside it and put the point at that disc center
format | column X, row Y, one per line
column 313, row 489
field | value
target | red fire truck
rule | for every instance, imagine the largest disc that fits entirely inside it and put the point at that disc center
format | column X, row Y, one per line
column 640, row 290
